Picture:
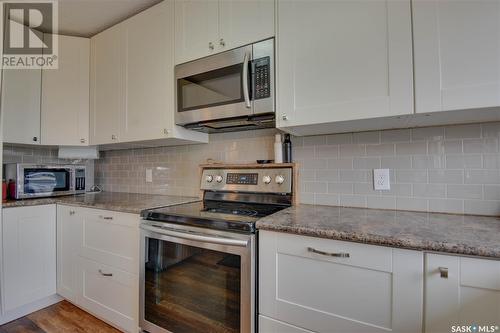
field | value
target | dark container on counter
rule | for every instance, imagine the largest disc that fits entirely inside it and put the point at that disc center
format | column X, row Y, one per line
column 287, row 149
column 12, row 189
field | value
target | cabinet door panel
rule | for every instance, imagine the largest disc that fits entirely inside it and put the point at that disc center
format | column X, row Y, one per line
column 457, row 58
column 245, row 22
column 21, row 89
column 149, row 73
column 65, row 95
column 29, row 255
column 343, row 60
column 196, row 25
column 469, row 295
column 106, row 85
column 69, row 229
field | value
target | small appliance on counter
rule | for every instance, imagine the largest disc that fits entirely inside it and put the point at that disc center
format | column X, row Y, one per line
column 199, row 258
column 229, row 91
column 43, row 180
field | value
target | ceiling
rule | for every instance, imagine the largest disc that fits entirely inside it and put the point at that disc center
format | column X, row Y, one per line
column 86, row 18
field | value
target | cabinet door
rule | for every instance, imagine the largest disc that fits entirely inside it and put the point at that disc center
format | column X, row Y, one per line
column 244, row 22
column 457, row 58
column 149, row 111
column 109, row 293
column 65, row 95
column 468, row 295
column 21, row 105
column 29, row 255
column 107, row 71
column 196, row 29
column 69, row 229
column 375, row 289
column 343, row 60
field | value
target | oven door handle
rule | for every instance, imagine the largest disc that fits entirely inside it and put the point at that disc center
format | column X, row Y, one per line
column 195, row 236
column 246, row 92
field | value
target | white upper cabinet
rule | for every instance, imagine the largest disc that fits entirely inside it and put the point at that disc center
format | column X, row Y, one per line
column 149, row 74
column 196, row 29
column 343, row 60
column 21, row 105
column 461, row 291
column 132, row 81
column 205, row 27
column 106, row 88
column 457, row 54
column 65, row 95
column 245, row 22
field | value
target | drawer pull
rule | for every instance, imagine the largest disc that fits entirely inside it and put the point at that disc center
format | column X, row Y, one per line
column 106, row 217
column 330, row 254
column 443, row 272
column 105, row 274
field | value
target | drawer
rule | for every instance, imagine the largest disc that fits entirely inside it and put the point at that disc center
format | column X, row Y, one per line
column 269, row 325
column 360, row 255
column 480, row 273
column 111, row 238
column 109, row 293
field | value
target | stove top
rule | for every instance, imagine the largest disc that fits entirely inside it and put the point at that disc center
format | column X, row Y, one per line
column 230, row 216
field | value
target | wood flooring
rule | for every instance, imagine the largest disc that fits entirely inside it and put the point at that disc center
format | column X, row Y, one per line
column 62, row 317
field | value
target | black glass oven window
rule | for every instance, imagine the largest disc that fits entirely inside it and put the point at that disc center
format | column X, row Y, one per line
column 213, row 88
column 190, row 289
column 46, row 180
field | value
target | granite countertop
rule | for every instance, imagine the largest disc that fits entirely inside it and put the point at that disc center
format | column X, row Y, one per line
column 116, row 201
column 458, row 234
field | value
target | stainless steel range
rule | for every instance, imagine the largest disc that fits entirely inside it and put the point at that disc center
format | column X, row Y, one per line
column 198, row 259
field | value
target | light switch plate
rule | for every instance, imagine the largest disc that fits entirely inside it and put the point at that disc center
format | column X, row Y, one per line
column 381, row 179
column 149, row 175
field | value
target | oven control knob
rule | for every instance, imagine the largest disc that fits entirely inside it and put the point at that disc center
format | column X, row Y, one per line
column 209, row 178
column 266, row 179
column 279, row 179
column 218, row 179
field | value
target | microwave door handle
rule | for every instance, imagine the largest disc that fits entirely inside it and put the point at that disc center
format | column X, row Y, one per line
column 246, row 92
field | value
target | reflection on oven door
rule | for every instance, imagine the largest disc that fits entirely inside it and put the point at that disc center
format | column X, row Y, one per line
column 190, row 289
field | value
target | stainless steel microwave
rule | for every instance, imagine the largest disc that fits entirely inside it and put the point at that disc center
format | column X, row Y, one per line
column 229, row 91
column 36, row 180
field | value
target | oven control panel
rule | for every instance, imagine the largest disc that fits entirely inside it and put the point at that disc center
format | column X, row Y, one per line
column 270, row 180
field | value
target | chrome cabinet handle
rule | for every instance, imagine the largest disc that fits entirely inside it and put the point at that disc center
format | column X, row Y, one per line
column 105, row 274
column 113, row 137
column 35, row 138
column 71, row 212
column 246, row 93
column 211, row 45
column 330, row 254
column 82, row 140
column 443, row 272
column 105, row 217
column 284, row 116
column 222, row 42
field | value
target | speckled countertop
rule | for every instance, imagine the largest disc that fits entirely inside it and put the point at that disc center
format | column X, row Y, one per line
column 458, row 234
column 116, row 201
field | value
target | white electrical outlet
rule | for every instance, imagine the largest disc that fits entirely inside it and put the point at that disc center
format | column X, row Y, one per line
column 381, row 179
column 149, row 175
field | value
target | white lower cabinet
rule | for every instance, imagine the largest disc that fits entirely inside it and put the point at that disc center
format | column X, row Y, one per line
column 461, row 291
column 98, row 253
column 332, row 286
column 28, row 254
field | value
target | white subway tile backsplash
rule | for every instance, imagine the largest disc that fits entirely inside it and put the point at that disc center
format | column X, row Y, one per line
column 447, row 169
column 446, row 176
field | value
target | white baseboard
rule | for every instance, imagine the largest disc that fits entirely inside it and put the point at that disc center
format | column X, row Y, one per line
column 29, row 308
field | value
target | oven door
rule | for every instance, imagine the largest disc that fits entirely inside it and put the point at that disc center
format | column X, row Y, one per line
column 37, row 181
column 195, row 280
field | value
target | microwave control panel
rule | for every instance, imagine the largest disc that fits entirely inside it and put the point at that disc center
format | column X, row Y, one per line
column 262, row 78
